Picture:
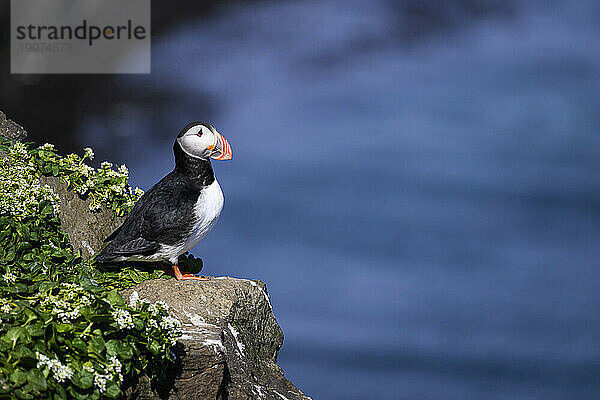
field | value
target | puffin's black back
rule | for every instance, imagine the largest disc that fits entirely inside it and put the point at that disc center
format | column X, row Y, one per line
column 165, row 213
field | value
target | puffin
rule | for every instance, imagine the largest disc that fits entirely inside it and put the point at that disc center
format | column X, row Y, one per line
column 178, row 211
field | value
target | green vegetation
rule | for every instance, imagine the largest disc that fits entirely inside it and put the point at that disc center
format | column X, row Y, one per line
column 65, row 331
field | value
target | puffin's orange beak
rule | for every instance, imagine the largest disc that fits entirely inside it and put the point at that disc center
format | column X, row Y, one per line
column 221, row 149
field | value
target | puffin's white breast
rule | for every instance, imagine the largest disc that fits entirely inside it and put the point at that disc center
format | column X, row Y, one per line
column 206, row 213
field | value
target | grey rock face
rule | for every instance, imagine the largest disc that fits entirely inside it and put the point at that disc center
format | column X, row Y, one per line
column 87, row 230
column 230, row 341
column 11, row 129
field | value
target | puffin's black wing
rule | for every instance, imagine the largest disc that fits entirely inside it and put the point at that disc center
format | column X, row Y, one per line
column 137, row 246
column 134, row 214
column 138, row 208
column 163, row 215
column 169, row 217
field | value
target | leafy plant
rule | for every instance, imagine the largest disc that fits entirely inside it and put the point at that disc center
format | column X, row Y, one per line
column 65, row 330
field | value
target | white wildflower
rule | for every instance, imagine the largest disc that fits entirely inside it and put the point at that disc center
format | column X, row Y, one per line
column 154, row 310
column 9, row 277
column 46, row 146
column 117, row 189
column 88, row 367
column 170, row 323
column 113, row 372
column 42, row 359
column 130, row 202
column 66, row 305
column 123, row 170
column 89, row 153
column 83, row 189
column 134, row 298
column 173, row 327
column 18, row 150
column 123, row 318
column 114, row 368
column 61, row 372
column 100, row 380
column 87, row 171
column 20, row 190
column 152, row 324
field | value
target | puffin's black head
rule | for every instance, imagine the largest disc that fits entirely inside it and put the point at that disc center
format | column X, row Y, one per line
column 202, row 141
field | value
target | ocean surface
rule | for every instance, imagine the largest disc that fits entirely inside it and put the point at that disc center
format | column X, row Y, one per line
column 424, row 208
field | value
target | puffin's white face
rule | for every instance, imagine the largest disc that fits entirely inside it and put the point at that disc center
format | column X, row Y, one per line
column 202, row 140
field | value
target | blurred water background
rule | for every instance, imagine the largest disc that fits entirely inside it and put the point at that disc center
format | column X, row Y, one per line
column 417, row 183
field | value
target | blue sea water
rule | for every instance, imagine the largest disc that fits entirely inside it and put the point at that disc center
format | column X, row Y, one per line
column 425, row 214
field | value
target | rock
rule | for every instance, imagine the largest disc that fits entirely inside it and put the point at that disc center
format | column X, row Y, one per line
column 230, row 340
column 11, row 129
column 87, row 230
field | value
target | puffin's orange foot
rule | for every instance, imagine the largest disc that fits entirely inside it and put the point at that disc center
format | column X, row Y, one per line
column 183, row 277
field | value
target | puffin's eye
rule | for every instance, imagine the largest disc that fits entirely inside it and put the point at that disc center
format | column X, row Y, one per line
column 199, row 132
